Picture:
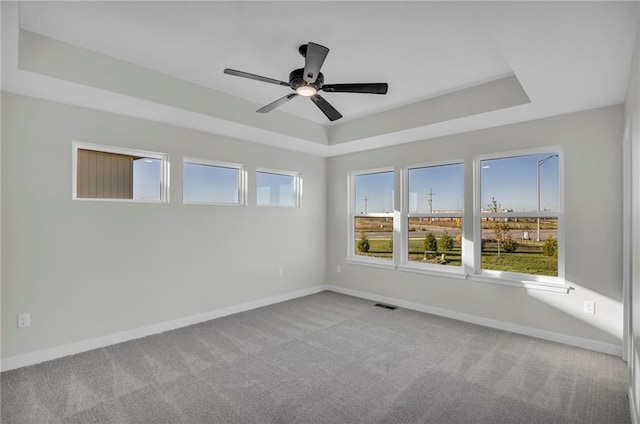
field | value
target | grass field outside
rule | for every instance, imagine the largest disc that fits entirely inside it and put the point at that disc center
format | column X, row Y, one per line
column 527, row 259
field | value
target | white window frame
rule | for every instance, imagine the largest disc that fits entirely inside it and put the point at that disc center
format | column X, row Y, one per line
column 297, row 187
column 428, row 268
column 242, row 180
column 352, row 257
column 533, row 281
column 164, row 170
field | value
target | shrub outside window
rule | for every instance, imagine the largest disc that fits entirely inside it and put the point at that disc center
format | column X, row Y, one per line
column 209, row 182
column 118, row 174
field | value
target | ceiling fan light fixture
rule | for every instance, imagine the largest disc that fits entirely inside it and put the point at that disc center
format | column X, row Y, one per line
column 306, row 90
column 308, row 81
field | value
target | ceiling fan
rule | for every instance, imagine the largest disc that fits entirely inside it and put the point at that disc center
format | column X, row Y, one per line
column 308, row 81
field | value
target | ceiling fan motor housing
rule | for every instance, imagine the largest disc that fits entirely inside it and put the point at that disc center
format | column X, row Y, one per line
column 296, row 79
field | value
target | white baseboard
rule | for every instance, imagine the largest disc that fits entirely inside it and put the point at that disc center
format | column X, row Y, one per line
column 594, row 345
column 37, row 357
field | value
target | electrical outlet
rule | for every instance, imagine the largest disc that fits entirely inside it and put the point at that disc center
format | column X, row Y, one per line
column 24, row 320
column 338, row 268
column 589, row 307
column 280, row 271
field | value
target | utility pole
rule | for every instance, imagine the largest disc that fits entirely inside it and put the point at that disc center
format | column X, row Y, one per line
column 431, row 194
column 366, row 199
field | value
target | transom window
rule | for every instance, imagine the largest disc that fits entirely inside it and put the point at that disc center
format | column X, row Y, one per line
column 117, row 173
column 208, row 182
column 277, row 188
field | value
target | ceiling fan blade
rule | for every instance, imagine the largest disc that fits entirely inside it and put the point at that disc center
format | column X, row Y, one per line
column 315, row 56
column 325, row 107
column 280, row 101
column 368, row 88
column 255, row 77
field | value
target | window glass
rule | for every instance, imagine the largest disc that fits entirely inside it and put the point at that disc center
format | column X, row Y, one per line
column 509, row 244
column 435, row 204
column 273, row 189
column 435, row 240
column 105, row 172
column 203, row 183
column 522, row 183
column 374, row 193
column 372, row 214
column 146, row 179
column 436, row 189
column 374, row 237
column 520, row 203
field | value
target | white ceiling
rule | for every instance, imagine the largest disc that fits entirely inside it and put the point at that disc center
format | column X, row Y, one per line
column 566, row 56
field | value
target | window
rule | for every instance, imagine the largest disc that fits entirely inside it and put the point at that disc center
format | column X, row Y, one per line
column 277, row 188
column 114, row 173
column 434, row 207
column 371, row 210
column 519, row 216
column 206, row 182
column 512, row 236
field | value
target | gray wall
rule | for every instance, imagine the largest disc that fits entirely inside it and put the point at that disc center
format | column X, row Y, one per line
column 85, row 269
column 632, row 123
column 592, row 146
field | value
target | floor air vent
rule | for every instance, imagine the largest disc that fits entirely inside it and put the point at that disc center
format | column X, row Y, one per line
column 382, row 305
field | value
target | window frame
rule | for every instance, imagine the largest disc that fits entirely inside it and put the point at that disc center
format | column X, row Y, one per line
column 517, row 279
column 164, row 170
column 297, row 187
column 352, row 257
column 242, row 180
column 428, row 268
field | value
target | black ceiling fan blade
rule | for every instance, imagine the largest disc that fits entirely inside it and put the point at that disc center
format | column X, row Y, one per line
column 367, row 88
column 314, row 58
column 326, row 108
column 255, row 77
column 273, row 105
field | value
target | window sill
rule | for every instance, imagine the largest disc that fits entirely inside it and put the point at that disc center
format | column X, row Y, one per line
column 371, row 262
column 449, row 273
column 533, row 285
column 116, row 200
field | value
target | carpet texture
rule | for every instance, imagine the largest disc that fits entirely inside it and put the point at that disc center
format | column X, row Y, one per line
column 324, row 358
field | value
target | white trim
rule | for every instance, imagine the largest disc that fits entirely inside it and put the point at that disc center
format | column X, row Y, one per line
column 442, row 270
column 162, row 157
column 37, row 357
column 491, row 276
column 580, row 342
column 535, row 214
column 352, row 215
column 535, row 285
column 371, row 261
